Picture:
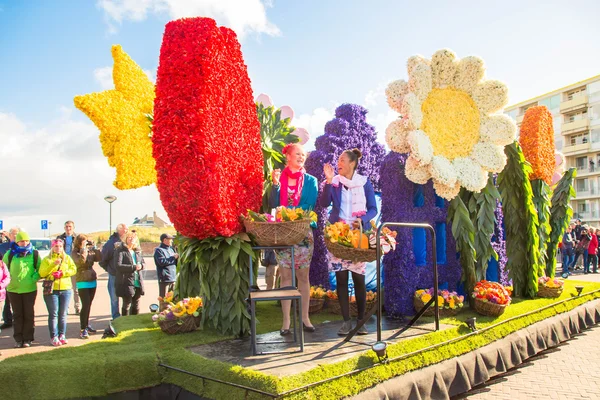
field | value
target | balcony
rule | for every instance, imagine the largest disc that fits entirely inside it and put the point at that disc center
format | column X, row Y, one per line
column 572, row 105
column 588, row 192
column 575, row 149
column 575, row 126
column 586, row 216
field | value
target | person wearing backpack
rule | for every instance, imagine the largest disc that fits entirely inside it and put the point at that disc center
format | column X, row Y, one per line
column 22, row 262
column 57, row 268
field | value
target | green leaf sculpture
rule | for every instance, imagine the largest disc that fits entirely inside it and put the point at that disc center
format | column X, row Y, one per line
column 560, row 215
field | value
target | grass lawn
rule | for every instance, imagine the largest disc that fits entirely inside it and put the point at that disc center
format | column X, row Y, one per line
column 130, row 361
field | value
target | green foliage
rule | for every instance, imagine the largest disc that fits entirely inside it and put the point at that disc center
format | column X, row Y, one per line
column 464, row 235
column 541, row 200
column 520, row 223
column 485, row 206
column 275, row 133
column 560, row 215
column 217, row 269
column 188, row 271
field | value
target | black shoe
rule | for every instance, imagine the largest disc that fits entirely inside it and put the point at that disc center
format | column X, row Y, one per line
column 90, row 329
column 27, row 343
column 5, row 325
column 18, row 345
column 284, row 332
column 308, row 328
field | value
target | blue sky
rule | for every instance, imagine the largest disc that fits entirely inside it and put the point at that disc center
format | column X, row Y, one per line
column 311, row 55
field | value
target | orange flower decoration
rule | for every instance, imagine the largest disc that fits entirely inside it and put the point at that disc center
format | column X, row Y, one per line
column 537, row 140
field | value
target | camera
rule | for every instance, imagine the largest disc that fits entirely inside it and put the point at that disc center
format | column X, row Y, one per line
column 89, row 243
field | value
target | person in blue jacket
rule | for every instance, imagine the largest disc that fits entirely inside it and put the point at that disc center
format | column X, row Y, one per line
column 165, row 258
column 353, row 200
column 293, row 187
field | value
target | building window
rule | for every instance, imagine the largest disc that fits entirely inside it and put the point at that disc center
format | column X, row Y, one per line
column 581, row 162
column 551, row 102
column 527, row 107
column 582, row 185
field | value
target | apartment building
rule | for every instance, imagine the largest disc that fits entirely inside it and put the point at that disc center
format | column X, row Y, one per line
column 576, row 112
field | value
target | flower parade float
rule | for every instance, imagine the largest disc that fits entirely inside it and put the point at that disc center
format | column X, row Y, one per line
column 202, row 114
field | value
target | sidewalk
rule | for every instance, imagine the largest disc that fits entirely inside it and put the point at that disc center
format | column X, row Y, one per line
column 568, row 371
column 99, row 316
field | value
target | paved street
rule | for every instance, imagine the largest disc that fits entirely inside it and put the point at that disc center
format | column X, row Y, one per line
column 99, row 318
column 569, row 371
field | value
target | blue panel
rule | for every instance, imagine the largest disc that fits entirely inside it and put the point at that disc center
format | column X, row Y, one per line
column 492, row 274
column 440, row 242
column 418, row 197
column 439, row 202
column 419, row 240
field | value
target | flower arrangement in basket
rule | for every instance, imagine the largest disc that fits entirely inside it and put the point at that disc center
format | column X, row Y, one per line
column 550, row 287
column 288, row 227
column 491, row 298
column 371, row 302
column 357, row 245
column 180, row 317
column 317, row 299
column 333, row 303
column 449, row 303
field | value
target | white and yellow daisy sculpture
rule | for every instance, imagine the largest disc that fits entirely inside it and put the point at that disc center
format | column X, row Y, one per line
column 450, row 122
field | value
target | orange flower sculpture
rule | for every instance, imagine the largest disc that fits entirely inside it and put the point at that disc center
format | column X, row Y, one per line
column 537, row 140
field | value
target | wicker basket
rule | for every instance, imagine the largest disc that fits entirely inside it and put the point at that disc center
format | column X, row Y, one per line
column 489, row 309
column 287, row 233
column 334, row 307
column 350, row 253
column 545, row 291
column 316, row 305
column 368, row 307
column 171, row 327
column 444, row 312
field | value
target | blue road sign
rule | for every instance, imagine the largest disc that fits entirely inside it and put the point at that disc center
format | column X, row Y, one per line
column 1, row 226
column 44, row 224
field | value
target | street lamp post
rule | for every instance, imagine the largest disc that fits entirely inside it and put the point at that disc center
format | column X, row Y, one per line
column 110, row 200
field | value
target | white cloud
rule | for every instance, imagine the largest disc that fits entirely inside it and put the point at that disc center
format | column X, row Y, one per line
column 104, row 77
column 374, row 97
column 58, row 172
column 314, row 123
column 243, row 16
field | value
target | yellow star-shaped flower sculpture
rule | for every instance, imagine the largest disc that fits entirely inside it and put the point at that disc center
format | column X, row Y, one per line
column 121, row 116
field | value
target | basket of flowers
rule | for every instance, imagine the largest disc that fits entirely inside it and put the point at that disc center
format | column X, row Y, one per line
column 449, row 303
column 357, row 245
column 317, row 299
column 491, row 298
column 333, row 304
column 288, row 227
column 550, row 287
column 371, row 302
column 180, row 317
